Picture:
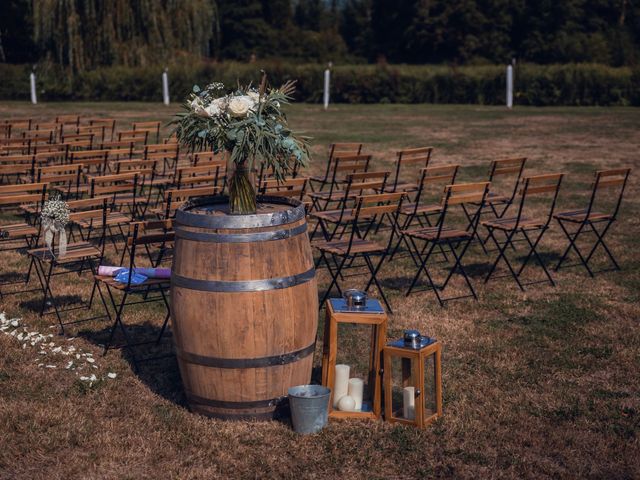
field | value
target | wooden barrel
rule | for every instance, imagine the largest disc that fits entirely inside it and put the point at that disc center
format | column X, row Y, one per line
column 244, row 306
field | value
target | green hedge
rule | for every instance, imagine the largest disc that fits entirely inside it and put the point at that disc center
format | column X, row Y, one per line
column 571, row 84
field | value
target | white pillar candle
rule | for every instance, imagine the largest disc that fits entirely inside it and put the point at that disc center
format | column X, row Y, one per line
column 409, row 403
column 341, row 383
column 356, row 389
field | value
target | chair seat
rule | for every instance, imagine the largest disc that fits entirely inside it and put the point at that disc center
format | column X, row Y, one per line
column 431, row 233
column 409, row 208
column 150, row 282
column 113, row 218
column 18, row 230
column 340, row 247
column 75, row 251
column 508, row 224
column 402, row 187
column 339, row 195
column 333, row 215
column 579, row 216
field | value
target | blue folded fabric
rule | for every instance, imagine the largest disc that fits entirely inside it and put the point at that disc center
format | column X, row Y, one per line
column 123, row 277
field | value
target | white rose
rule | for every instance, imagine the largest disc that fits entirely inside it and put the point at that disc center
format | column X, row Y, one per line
column 198, row 107
column 212, row 110
column 240, row 106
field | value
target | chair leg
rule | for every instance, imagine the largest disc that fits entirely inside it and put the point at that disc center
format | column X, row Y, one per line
column 374, row 270
column 535, row 254
column 458, row 264
column 334, row 280
column 573, row 238
column 502, row 256
column 600, row 241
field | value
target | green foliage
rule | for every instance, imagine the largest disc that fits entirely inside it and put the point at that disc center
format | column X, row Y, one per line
column 540, row 85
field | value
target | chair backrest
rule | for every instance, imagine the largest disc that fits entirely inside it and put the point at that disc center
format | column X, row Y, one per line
column 91, row 210
column 370, row 210
column 213, row 173
column 108, row 123
column 432, row 182
column 340, row 150
column 98, row 131
column 151, row 127
column 136, row 136
column 506, row 174
column 19, row 123
column 63, row 176
column 290, row 188
column 68, row 119
column 41, row 135
column 471, row 196
column 546, row 186
column 14, row 196
column 411, row 156
column 93, row 160
column 119, row 150
column 345, row 165
column 175, row 198
column 115, row 186
column 363, row 183
column 15, row 145
column 609, row 183
column 5, row 130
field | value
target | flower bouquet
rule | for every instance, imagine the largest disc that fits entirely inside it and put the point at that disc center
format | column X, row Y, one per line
column 54, row 218
column 250, row 126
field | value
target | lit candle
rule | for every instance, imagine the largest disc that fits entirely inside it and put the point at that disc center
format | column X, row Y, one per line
column 356, row 388
column 409, row 403
column 341, row 384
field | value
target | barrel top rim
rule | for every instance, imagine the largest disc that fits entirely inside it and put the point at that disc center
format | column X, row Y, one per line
column 195, row 213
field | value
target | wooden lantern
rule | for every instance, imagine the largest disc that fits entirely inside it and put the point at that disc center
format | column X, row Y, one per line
column 374, row 316
column 416, row 387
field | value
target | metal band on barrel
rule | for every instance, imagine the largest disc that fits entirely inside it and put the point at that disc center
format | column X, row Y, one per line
column 270, row 402
column 240, row 237
column 239, row 363
column 283, row 217
column 244, row 285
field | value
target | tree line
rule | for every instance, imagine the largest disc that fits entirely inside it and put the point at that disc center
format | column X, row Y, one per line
column 85, row 34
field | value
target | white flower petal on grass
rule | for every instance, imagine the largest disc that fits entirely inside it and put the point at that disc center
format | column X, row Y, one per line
column 90, row 360
column 112, row 375
column 50, row 366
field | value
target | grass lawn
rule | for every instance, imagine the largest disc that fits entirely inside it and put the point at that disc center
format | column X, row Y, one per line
column 541, row 384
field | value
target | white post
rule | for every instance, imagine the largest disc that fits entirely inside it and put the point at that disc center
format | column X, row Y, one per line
column 32, row 81
column 165, row 87
column 327, row 78
column 510, row 86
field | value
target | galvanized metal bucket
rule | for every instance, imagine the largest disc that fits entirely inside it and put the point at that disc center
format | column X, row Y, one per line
column 309, row 408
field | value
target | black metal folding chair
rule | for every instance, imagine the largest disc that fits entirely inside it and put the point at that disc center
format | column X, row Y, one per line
column 456, row 238
column 335, row 150
column 29, row 198
column 369, row 210
column 342, row 167
column 358, row 184
column 586, row 219
column 410, row 156
column 152, row 290
column 79, row 257
column 549, row 185
column 427, row 201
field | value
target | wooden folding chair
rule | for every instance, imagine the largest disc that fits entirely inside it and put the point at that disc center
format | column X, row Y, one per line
column 547, row 185
column 412, row 157
column 358, row 184
column 594, row 215
column 66, row 179
column 344, row 251
column 427, row 201
column 17, row 169
column 295, row 188
column 457, row 238
column 167, row 154
column 93, row 161
column 341, row 168
column 17, row 236
column 146, row 290
column 335, row 150
column 138, row 137
column 15, row 146
column 151, row 127
column 79, row 257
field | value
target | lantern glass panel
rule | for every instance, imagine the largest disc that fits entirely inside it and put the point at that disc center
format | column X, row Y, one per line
column 355, row 349
column 403, row 387
column 429, row 391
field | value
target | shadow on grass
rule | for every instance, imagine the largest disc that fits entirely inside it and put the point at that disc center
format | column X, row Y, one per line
column 62, row 301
